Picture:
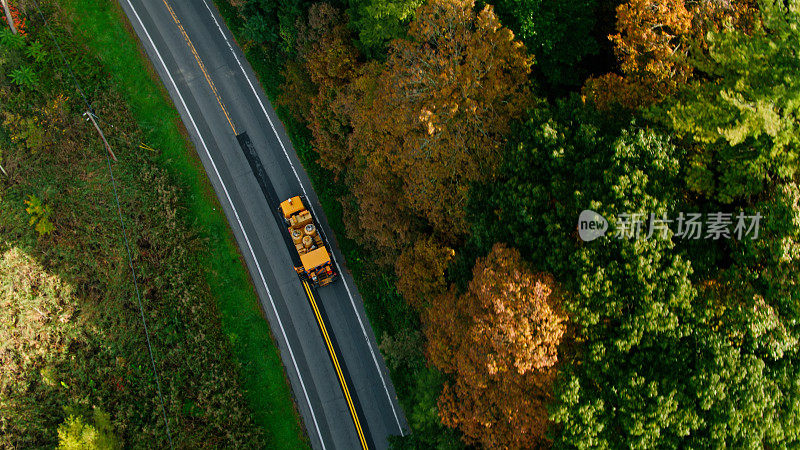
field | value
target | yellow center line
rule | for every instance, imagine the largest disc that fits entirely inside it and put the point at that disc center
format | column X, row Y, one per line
column 200, row 63
column 336, row 365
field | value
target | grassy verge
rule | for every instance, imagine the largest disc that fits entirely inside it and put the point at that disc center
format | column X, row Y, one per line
column 105, row 30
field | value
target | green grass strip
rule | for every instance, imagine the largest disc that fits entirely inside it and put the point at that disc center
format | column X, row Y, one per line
column 105, row 29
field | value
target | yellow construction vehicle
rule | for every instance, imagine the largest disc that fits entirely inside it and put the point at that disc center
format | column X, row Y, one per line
column 313, row 262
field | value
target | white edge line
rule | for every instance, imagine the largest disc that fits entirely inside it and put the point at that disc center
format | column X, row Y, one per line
column 352, row 302
column 249, row 246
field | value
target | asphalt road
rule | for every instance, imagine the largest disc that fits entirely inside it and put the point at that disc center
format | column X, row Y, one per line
column 218, row 96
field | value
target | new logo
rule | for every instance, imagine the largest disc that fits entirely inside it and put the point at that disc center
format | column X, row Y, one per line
column 591, row 225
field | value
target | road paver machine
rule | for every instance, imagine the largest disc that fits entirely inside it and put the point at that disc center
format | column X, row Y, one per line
column 316, row 262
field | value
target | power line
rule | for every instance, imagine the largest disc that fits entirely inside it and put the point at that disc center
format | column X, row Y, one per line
column 91, row 115
column 139, row 300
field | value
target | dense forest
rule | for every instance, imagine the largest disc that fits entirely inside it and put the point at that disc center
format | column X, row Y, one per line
column 456, row 143
column 74, row 365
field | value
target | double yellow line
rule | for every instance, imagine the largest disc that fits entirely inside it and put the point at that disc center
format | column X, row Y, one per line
column 336, row 365
column 200, row 63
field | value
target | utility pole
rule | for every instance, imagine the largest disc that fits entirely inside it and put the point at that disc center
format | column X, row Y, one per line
column 8, row 16
column 90, row 116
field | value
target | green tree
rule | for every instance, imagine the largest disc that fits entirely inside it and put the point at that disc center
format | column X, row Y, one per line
column 403, row 350
column 423, row 416
column 37, row 52
column 661, row 357
column 558, row 34
column 75, row 434
column 40, row 215
column 745, row 115
column 10, row 40
column 24, row 77
column 776, row 252
column 379, row 21
column 272, row 22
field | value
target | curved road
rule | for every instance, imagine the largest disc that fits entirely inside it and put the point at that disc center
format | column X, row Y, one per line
column 218, row 97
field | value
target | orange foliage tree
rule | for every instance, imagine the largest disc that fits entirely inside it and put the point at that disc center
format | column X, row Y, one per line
column 434, row 120
column 652, row 43
column 499, row 340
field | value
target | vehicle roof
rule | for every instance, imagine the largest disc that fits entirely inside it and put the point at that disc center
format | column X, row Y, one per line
column 315, row 258
column 292, row 206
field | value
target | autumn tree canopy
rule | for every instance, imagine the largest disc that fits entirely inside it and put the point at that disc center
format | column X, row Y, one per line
column 316, row 86
column 652, row 43
column 436, row 120
column 443, row 152
column 500, row 341
column 421, row 270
